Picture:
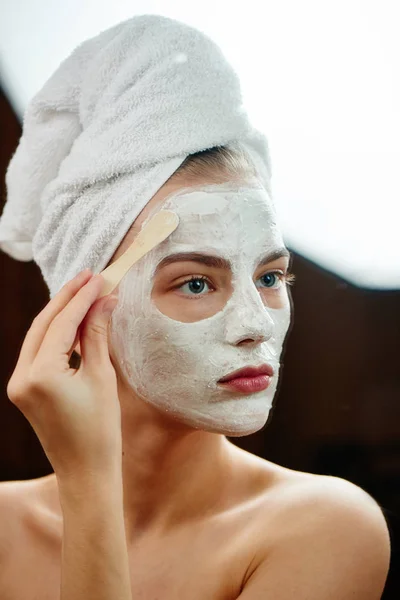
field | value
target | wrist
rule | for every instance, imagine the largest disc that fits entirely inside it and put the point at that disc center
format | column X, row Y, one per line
column 89, row 489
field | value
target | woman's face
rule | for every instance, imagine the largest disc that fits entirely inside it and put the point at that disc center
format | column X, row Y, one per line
column 208, row 301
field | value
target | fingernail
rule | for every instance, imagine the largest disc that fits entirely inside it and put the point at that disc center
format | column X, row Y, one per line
column 109, row 306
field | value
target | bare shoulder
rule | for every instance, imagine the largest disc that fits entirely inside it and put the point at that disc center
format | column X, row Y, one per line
column 24, row 507
column 329, row 533
column 14, row 495
column 11, row 510
column 321, row 502
column 300, row 492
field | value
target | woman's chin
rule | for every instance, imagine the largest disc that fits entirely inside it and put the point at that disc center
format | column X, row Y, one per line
column 237, row 425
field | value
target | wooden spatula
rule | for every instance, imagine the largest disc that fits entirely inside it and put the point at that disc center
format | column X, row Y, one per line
column 158, row 228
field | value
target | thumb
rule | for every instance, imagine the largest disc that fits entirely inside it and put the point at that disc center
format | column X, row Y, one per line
column 94, row 332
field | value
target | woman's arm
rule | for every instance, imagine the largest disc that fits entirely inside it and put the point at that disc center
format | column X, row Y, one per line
column 77, row 417
column 94, row 553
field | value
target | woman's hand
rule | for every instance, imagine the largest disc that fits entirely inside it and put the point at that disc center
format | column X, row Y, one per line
column 75, row 413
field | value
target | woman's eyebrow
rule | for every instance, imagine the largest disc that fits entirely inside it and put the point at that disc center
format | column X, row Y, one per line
column 274, row 255
column 217, row 262
column 206, row 259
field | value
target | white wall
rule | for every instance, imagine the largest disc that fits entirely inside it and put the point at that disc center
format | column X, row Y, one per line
column 320, row 78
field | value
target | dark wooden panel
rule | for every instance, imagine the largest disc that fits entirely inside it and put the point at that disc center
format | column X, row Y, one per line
column 23, row 293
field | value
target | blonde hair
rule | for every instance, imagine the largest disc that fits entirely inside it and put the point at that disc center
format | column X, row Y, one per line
column 217, row 164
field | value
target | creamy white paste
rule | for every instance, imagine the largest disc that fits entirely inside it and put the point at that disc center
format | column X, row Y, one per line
column 175, row 366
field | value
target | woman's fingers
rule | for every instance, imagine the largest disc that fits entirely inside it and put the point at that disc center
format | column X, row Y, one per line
column 94, row 334
column 35, row 336
column 63, row 329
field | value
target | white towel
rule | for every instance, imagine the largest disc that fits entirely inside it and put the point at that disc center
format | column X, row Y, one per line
column 106, row 131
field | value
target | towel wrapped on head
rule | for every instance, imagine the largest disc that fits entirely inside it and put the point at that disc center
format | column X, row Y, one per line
column 106, row 131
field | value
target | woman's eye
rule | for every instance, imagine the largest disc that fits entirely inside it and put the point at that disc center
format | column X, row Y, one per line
column 269, row 279
column 195, row 286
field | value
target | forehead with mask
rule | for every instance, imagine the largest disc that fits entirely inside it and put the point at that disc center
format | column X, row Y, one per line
column 209, row 301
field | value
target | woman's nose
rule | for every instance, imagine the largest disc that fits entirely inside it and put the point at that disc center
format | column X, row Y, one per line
column 247, row 321
column 250, row 340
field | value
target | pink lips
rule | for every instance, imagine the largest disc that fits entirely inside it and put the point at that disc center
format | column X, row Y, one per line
column 249, row 379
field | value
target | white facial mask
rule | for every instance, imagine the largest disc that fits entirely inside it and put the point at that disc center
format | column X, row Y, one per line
column 175, row 366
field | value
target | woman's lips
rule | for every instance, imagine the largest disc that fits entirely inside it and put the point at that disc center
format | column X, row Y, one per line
column 248, row 380
column 248, row 385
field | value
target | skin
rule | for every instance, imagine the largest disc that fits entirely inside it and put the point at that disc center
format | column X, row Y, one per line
column 161, row 510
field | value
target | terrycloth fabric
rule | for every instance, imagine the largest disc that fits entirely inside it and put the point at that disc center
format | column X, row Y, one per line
column 106, row 131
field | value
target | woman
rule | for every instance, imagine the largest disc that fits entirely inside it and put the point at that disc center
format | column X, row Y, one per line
column 148, row 498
